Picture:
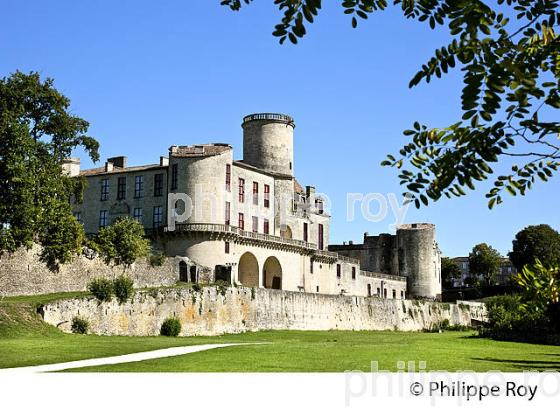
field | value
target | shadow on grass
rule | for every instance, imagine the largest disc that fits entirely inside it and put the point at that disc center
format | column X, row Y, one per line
column 524, row 364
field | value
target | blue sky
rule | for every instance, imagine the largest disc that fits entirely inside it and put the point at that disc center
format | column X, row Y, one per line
column 149, row 74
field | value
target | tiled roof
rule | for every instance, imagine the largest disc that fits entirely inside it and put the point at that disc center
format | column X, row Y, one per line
column 101, row 170
column 298, row 188
column 262, row 171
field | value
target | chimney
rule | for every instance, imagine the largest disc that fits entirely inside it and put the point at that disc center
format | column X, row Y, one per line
column 351, row 243
column 309, row 191
column 71, row 167
column 108, row 166
column 119, row 162
column 163, row 161
column 173, row 149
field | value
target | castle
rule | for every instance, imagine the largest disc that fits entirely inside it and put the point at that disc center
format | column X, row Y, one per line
column 250, row 222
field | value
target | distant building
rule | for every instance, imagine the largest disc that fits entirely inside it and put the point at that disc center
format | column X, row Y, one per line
column 504, row 276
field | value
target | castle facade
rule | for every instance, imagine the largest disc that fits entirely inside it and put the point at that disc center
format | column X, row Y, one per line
column 250, row 222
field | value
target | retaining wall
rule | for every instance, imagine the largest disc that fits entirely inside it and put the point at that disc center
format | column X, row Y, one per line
column 212, row 311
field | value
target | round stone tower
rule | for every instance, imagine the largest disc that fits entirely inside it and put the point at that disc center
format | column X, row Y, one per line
column 419, row 260
column 268, row 142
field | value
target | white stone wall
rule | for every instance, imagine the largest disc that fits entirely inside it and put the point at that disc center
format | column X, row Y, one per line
column 248, row 208
column 203, row 180
column 237, row 310
column 92, row 204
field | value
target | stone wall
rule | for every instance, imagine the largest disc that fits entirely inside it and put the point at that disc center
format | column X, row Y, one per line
column 22, row 273
column 212, row 311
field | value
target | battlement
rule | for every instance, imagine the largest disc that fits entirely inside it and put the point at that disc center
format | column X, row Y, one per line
column 286, row 119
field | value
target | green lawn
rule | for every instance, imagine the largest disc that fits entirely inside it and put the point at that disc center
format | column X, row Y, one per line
column 26, row 340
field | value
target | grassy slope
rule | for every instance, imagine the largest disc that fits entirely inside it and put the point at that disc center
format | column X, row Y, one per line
column 26, row 340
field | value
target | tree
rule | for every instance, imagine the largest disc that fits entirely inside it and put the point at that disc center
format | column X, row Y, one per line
column 37, row 133
column 472, row 281
column 509, row 54
column 450, row 271
column 123, row 242
column 541, row 285
column 484, row 260
column 535, row 242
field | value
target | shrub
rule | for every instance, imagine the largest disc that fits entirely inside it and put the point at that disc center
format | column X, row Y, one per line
column 157, row 259
column 509, row 320
column 102, row 289
column 171, row 327
column 222, row 286
column 124, row 288
column 196, row 287
column 80, row 325
column 438, row 327
column 458, row 328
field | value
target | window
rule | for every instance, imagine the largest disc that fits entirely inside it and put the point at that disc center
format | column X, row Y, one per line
column 378, row 292
column 228, row 177
column 369, row 289
column 104, row 189
column 311, row 267
column 241, row 190
column 266, row 227
column 255, row 193
column 353, row 272
column 402, row 294
column 158, row 184
column 227, row 247
column 139, row 186
column 174, row 176
column 138, row 214
column 78, row 216
column 317, row 289
column 241, row 223
column 267, row 196
column 338, row 271
column 394, row 294
column 321, row 237
column 228, row 213
column 255, row 224
column 158, row 216
column 121, row 188
column 385, row 293
column 305, row 232
column 319, row 206
column 102, row 219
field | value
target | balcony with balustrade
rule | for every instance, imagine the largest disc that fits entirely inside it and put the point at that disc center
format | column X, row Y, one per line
column 232, row 233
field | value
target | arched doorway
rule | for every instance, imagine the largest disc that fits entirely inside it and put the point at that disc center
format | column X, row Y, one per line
column 183, row 272
column 193, row 274
column 248, row 272
column 286, row 232
column 272, row 274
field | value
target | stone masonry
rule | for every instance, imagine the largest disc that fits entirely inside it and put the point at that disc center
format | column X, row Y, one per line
column 23, row 273
column 214, row 311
